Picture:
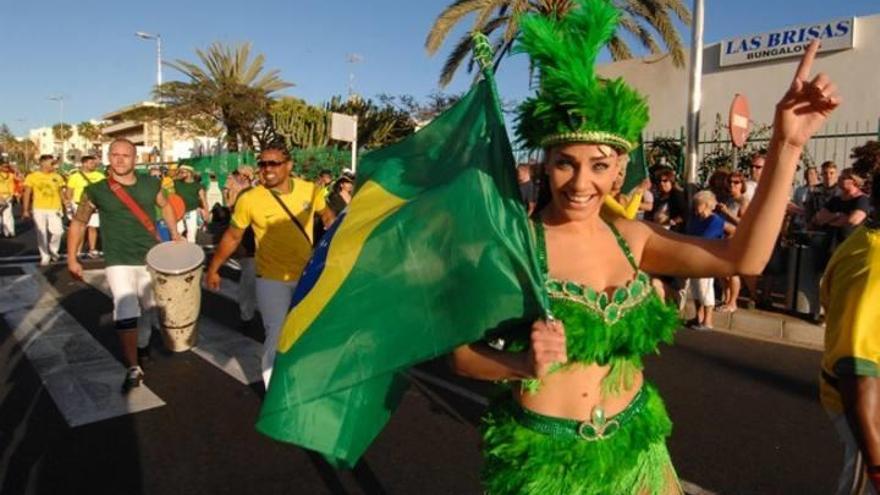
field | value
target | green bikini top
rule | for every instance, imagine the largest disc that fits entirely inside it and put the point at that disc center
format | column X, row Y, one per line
column 614, row 330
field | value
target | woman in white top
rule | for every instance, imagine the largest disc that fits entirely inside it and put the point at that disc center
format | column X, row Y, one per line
column 732, row 210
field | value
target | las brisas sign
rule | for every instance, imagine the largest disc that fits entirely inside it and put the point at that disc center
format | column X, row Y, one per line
column 838, row 34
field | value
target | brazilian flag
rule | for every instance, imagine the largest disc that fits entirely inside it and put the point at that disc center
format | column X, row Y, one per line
column 434, row 251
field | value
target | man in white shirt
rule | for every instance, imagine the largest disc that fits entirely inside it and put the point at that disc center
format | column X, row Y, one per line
column 756, row 167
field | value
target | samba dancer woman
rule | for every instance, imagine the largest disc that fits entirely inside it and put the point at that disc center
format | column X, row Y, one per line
column 584, row 420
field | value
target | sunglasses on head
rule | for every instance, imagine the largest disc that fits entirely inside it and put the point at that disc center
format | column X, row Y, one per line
column 269, row 163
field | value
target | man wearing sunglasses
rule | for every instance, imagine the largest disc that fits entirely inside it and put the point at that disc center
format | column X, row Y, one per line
column 757, row 166
column 281, row 212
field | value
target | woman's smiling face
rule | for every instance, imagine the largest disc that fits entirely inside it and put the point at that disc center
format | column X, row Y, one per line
column 579, row 176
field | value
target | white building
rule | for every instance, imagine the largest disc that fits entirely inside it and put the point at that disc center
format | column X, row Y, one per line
column 761, row 67
column 74, row 147
column 145, row 135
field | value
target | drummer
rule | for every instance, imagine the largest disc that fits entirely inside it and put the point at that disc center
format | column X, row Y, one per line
column 128, row 231
column 281, row 211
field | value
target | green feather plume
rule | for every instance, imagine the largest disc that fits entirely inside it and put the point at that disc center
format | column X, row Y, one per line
column 573, row 104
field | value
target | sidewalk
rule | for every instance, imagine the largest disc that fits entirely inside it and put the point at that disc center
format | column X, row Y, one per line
column 768, row 326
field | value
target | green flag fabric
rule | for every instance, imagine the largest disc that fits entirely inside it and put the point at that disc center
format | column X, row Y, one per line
column 434, row 251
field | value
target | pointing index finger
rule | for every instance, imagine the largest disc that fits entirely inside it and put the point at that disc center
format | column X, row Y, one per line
column 803, row 70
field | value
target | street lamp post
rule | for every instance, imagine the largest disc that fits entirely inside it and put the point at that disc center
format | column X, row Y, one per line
column 158, row 38
column 695, row 93
column 60, row 100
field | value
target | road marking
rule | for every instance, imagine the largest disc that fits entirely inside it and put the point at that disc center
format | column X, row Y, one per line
column 688, row 487
column 81, row 376
column 235, row 354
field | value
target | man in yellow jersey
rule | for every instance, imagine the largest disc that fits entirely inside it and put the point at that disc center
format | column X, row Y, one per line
column 281, row 212
column 76, row 184
column 43, row 192
column 850, row 384
column 7, row 194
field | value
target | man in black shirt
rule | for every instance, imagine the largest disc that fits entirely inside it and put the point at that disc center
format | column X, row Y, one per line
column 847, row 211
column 820, row 195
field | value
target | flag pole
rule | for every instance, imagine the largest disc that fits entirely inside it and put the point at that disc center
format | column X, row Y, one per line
column 695, row 93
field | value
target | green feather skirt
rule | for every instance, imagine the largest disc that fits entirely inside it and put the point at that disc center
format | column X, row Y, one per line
column 634, row 460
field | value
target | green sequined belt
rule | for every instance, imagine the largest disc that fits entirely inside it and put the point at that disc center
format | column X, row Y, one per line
column 597, row 428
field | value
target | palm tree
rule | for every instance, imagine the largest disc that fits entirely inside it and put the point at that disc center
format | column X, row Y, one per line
column 639, row 18
column 90, row 132
column 228, row 86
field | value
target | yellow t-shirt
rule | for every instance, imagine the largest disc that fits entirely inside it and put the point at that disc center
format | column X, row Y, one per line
column 168, row 184
column 77, row 182
column 850, row 293
column 7, row 185
column 282, row 249
column 46, row 189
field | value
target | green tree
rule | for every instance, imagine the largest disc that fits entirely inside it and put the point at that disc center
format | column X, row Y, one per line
column 421, row 111
column 866, row 159
column 19, row 151
column 378, row 125
column 62, row 132
column 300, row 125
column 643, row 20
column 665, row 151
column 90, row 132
column 228, row 86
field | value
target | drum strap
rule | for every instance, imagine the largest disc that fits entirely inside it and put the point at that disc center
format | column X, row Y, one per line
column 292, row 217
column 133, row 207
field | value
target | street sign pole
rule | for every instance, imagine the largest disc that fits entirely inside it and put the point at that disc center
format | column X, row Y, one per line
column 354, row 147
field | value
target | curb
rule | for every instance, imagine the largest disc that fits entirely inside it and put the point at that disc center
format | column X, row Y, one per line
column 767, row 326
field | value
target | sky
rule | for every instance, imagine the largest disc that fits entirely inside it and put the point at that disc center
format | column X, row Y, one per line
column 86, row 51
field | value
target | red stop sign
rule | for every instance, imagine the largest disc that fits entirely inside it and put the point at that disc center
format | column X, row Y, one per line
column 739, row 120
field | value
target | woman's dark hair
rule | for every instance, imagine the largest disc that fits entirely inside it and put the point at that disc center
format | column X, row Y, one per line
column 667, row 173
column 741, row 177
column 279, row 146
column 337, row 186
column 866, row 163
column 875, row 190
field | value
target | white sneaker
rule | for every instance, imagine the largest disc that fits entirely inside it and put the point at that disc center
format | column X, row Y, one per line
column 133, row 378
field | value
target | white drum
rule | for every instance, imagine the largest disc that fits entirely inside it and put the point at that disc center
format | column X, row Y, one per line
column 176, row 269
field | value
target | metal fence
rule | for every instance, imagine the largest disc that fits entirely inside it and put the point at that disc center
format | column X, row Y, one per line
column 833, row 142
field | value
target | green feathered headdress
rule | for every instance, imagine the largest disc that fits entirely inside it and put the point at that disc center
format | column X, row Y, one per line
column 572, row 104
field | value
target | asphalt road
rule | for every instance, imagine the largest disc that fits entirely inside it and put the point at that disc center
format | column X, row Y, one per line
column 747, row 421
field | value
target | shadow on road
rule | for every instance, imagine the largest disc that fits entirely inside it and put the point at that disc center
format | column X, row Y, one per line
column 40, row 453
column 808, row 390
